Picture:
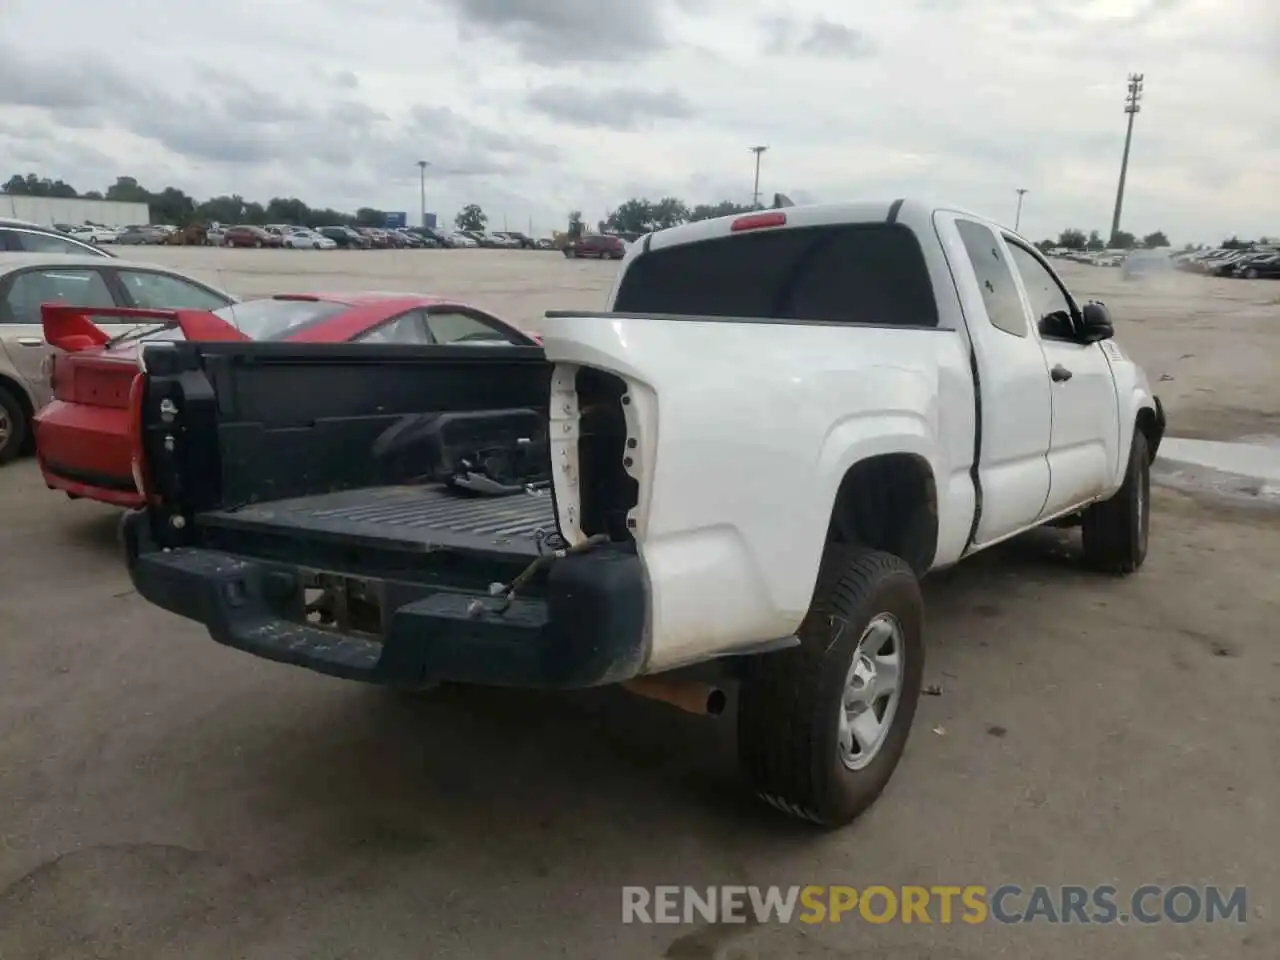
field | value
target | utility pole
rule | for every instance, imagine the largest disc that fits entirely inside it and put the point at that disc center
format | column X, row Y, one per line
column 1017, row 217
column 422, row 192
column 1131, row 106
column 755, row 192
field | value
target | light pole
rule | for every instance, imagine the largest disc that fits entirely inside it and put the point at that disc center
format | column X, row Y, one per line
column 755, row 192
column 1017, row 217
column 1131, row 107
column 422, row 192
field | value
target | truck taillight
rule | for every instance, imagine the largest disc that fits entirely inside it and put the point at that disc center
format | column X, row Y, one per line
column 137, row 451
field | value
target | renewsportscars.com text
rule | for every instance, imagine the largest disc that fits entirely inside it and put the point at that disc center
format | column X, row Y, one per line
column 972, row 904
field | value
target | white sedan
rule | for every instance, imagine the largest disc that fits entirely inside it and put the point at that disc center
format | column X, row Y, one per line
column 300, row 238
column 462, row 240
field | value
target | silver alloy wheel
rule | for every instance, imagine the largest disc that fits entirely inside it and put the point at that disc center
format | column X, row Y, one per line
column 872, row 691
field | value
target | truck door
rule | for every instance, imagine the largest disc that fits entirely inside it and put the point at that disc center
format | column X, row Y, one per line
column 1013, row 382
column 1084, row 447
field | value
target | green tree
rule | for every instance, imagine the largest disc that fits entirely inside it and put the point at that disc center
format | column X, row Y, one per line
column 1095, row 241
column 632, row 216
column 288, row 210
column 1073, row 239
column 712, row 211
column 370, row 217
column 127, row 190
column 1044, row 246
column 1153, row 240
column 1235, row 243
column 669, row 212
column 575, row 224
column 33, row 185
column 1123, row 240
column 471, row 217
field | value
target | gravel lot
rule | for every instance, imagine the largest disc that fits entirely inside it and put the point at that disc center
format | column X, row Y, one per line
column 161, row 796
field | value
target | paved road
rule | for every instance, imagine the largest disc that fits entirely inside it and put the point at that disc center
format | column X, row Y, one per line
column 161, row 796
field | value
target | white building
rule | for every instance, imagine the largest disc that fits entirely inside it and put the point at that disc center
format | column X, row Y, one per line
column 50, row 210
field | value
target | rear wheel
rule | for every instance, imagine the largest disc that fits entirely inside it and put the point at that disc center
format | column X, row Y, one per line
column 821, row 727
column 570, row 253
column 1115, row 531
column 1251, row 274
column 13, row 426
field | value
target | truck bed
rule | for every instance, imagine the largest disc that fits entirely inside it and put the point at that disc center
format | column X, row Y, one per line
column 420, row 519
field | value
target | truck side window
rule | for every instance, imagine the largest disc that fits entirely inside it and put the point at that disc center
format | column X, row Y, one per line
column 995, row 278
column 1049, row 303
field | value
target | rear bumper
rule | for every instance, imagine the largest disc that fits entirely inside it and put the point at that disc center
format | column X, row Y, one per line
column 586, row 629
column 84, row 450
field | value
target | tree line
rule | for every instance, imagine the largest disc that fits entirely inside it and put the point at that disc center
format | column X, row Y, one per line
column 174, row 206
column 638, row 215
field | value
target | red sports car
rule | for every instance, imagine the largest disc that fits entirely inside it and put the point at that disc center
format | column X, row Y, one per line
column 82, row 436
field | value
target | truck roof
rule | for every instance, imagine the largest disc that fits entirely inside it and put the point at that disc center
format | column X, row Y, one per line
column 913, row 212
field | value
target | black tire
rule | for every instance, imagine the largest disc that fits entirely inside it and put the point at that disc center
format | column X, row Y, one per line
column 1115, row 531
column 16, row 436
column 569, row 253
column 789, row 711
column 1251, row 274
column 257, row 244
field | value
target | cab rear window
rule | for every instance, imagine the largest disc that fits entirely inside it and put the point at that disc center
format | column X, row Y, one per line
column 846, row 273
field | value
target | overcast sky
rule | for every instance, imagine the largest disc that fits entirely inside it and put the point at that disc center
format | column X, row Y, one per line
column 533, row 108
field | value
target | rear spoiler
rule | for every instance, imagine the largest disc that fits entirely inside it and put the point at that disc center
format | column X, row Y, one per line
column 71, row 328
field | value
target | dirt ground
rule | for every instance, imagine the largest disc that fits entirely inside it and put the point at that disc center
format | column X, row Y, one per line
column 161, row 796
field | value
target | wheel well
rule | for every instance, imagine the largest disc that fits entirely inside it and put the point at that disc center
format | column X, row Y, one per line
column 1151, row 429
column 889, row 503
column 19, row 393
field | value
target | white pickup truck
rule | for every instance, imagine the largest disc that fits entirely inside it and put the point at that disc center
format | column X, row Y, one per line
column 737, row 472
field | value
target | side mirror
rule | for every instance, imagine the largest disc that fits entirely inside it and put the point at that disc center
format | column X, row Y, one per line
column 1096, row 323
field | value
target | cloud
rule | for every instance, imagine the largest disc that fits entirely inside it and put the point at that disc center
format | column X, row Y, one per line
column 534, row 109
column 818, row 37
column 557, row 31
column 619, row 109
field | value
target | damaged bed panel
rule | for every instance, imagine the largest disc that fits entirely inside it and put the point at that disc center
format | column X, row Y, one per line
column 419, row 519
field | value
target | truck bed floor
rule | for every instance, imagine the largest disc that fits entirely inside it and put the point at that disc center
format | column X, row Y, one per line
column 417, row 518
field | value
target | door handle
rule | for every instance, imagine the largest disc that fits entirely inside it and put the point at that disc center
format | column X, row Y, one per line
column 1059, row 374
column 30, row 342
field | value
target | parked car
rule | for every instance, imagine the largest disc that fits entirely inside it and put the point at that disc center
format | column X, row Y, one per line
column 545, row 243
column 303, row 238
column 83, row 434
column 1262, row 267
column 250, row 236
column 28, row 280
column 433, row 235
column 102, row 234
column 141, row 236
column 460, row 239
column 377, row 239
column 518, row 239
column 346, row 238
column 19, row 236
column 600, row 246
column 894, row 337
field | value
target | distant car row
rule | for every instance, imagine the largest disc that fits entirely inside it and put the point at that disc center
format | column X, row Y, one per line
column 1254, row 263
column 343, row 237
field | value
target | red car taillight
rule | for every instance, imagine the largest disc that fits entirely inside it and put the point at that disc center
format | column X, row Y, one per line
column 137, row 451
